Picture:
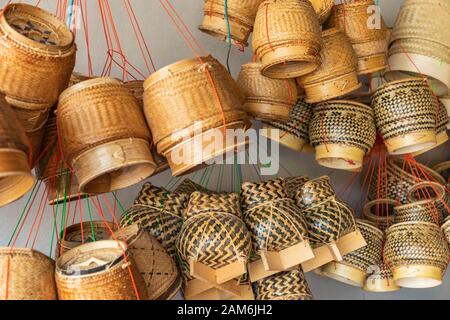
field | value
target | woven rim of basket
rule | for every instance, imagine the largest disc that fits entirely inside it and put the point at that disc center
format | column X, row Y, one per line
column 393, row 228
column 89, row 84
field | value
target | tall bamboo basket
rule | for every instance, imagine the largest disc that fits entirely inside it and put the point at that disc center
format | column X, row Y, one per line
column 182, row 106
column 104, row 136
column 381, row 212
column 343, row 133
column 323, row 9
column 337, row 75
column 405, row 113
column 444, row 170
column 278, row 228
column 420, row 46
column 287, row 38
column 159, row 212
column 369, row 42
column 37, row 54
column 103, row 270
column 235, row 21
column 158, row 269
column 434, row 196
column 417, row 253
column 353, row 269
column 287, row 285
column 294, row 133
column 333, row 232
column 266, row 98
column 26, row 275
column 15, row 175
column 399, row 179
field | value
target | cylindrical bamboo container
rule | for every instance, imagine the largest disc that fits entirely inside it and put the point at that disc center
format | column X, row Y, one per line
column 102, row 270
column 444, row 170
column 343, row 133
column 420, row 44
column 287, row 285
column 381, row 212
column 159, row 271
column 337, row 75
column 358, row 20
column 323, row 9
column 287, row 38
column 355, row 266
column 235, row 21
column 266, row 98
column 417, row 253
column 26, row 275
column 405, row 113
column 104, row 136
column 15, row 175
column 182, row 106
column 37, row 54
column 293, row 134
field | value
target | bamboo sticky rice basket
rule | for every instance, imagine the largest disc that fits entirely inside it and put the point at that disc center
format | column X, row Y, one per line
column 287, row 38
column 102, row 270
column 235, row 21
column 188, row 187
column 26, row 275
column 337, row 75
column 266, row 98
column 405, row 113
column 343, row 133
column 104, row 136
column 182, row 106
column 381, row 212
column 323, row 9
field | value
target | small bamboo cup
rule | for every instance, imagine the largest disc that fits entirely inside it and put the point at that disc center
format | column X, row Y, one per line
column 323, row 9
column 381, row 212
column 369, row 42
column 337, row 75
column 405, row 113
column 184, row 110
column 102, row 270
column 37, row 54
column 26, row 275
column 104, row 136
column 287, row 38
column 236, row 21
column 342, row 132
column 417, row 253
column 266, row 98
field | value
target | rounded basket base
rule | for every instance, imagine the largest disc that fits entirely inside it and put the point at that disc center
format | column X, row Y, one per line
column 372, row 64
column 411, row 143
column 114, row 165
column 380, row 285
column 284, row 138
column 216, row 26
column 340, row 157
column 15, row 175
column 441, row 138
column 268, row 111
column 417, row 277
column 343, row 273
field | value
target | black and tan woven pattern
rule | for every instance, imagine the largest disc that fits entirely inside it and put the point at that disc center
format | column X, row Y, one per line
column 288, row 285
column 381, row 212
column 273, row 219
column 444, row 170
column 446, row 229
column 328, row 217
column 159, row 212
column 422, row 211
column 188, row 187
column 201, row 202
column 294, row 185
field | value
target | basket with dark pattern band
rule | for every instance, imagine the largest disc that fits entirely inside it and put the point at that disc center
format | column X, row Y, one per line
column 189, row 187
column 294, row 185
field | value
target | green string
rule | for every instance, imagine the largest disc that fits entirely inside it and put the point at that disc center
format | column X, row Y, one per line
column 90, row 218
column 55, row 218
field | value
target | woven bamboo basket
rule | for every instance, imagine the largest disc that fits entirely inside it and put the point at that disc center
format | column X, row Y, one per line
column 26, row 275
column 343, row 133
column 266, row 98
column 294, row 185
column 104, row 136
column 323, row 9
column 417, row 253
column 159, row 212
column 77, row 77
column 15, row 175
column 293, row 134
column 421, row 211
column 380, row 280
column 370, row 43
column 337, row 75
column 381, row 212
column 446, row 102
column 181, row 108
column 354, row 267
column 287, row 285
column 236, row 22
column 158, row 269
column 287, row 38
column 446, row 229
column 420, row 43
column 37, row 54
column 332, row 228
column 278, row 228
column 399, row 179
column 103, row 270
column 405, row 113
column 187, row 186
column 214, row 241
column 443, row 169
